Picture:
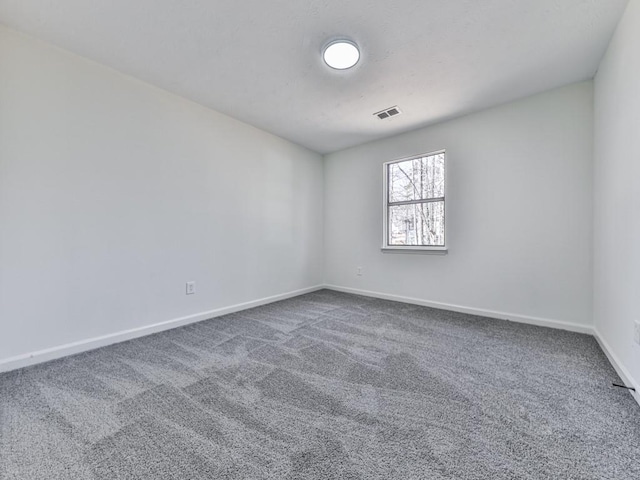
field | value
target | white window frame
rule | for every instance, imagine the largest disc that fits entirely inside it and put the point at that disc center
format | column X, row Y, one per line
column 386, row 248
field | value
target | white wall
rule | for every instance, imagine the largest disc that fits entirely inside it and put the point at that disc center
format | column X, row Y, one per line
column 617, row 194
column 114, row 193
column 519, row 211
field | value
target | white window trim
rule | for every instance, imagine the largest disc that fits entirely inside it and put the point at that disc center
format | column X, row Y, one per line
column 386, row 248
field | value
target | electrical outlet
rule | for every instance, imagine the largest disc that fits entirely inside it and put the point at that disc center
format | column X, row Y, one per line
column 636, row 332
column 359, row 271
column 191, row 288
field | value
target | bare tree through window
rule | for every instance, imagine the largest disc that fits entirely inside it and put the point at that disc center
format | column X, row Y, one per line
column 415, row 201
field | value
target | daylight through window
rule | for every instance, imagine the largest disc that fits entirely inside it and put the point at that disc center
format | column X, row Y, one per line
column 414, row 202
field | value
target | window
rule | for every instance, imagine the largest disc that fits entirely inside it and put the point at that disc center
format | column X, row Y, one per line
column 414, row 213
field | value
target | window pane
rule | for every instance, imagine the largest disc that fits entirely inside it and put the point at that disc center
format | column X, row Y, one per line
column 417, row 179
column 418, row 224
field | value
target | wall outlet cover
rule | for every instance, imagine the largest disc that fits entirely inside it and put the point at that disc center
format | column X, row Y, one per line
column 191, row 288
column 636, row 332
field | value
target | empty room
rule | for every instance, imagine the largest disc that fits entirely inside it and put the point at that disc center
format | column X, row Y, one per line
column 319, row 239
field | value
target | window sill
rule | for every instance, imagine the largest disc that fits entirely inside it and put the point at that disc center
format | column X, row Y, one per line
column 416, row 250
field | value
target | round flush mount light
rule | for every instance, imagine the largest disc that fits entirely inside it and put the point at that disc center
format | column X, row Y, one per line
column 341, row 54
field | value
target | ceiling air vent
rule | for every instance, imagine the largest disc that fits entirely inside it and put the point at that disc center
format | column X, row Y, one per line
column 388, row 112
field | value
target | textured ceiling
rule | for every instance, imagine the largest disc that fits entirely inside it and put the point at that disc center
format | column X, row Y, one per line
column 259, row 60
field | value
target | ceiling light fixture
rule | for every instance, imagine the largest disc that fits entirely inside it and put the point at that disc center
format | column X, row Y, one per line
column 341, row 54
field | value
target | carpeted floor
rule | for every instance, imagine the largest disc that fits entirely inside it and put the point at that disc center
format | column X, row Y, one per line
column 325, row 386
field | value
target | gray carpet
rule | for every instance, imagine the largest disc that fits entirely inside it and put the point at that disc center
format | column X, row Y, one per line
column 323, row 386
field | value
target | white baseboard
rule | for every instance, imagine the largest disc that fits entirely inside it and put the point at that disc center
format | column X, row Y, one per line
column 53, row 353
column 622, row 372
column 48, row 354
column 543, row 322
column 513, row 317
